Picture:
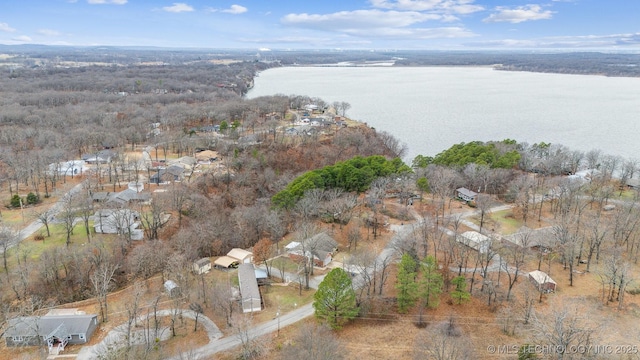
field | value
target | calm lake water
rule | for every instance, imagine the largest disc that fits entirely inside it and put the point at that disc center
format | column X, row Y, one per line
column 432, row 108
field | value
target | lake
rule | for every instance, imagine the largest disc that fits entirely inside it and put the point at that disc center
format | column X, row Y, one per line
column 432, row 108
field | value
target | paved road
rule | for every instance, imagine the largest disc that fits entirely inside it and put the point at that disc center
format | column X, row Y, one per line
column 116, row 337
column 230, row 342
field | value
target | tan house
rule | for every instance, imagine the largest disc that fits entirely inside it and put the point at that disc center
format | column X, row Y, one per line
column 202, row 266
column 542, row 281
column 234, row 257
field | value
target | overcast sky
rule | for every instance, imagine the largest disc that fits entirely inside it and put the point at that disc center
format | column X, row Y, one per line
column 326, row 24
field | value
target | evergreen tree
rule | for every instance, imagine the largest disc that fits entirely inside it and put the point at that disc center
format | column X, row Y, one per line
column 406, row 283
column 335, row 300
column 460, row 293
column 15, row 201
column 431, row 284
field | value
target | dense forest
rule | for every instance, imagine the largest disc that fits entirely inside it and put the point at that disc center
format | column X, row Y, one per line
column 61, row 108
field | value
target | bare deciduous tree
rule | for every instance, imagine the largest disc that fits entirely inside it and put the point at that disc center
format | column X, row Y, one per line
column 102, row 280
column 313, row 342
column 443, row 342
column 564, row 328
column 251, row 346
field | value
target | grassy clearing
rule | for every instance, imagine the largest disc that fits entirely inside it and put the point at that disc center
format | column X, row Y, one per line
column 284, row 298
column 506, row 222
column 34, row 249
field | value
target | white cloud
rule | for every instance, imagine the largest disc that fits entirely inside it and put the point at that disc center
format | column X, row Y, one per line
column 6, row 28
column 48, row 32
column 235, row 9
column 518, row 14
column 566, row 42
column 100, row 2
column 178, row 8
column 22, row 38
column 359, row 19
column 413, row 33
column 376, row 23
column 446, row 6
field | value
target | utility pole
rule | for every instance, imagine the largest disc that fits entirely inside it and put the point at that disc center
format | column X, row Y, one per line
column 278, row 317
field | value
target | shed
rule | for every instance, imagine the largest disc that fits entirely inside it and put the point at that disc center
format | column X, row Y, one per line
column 202, row 266
column 542, row 281
column 171, row 288
column 249, row 291
column 466, row 194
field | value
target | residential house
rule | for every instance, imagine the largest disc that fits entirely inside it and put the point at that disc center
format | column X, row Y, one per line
column 202, row 266
column 56, row 329
column 542, row 281
column 185, row 162
column 171, row 173
column 121, row 198
column 466, row 194
column 68, row 168
column 633, row 183
column 320, row 248
column 101, row 157
column 249, row 140
column 538, row 239
column 475, row 240
column 250, row 293
column 118, row 221
column 207, row 156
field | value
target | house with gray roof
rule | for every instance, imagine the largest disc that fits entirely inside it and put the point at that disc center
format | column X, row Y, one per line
column 121, row 198
column 171, row 173
column 56, row 329
column 320, row 248
column 251, row 300
column 103, row 157
column 118, row 221
column 466, row 194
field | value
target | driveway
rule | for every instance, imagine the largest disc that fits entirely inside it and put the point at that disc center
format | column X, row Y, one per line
column 116, row 337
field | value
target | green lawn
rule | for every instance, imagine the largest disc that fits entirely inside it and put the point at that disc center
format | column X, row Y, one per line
column 502, row 221
column 508, row 224
column 34, row 249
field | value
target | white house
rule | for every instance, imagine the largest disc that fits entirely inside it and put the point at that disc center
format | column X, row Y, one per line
column 69, row 168
column 475, row 240
column 466, row 194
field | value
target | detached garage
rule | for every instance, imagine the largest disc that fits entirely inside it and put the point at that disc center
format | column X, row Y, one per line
column 542, row 281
